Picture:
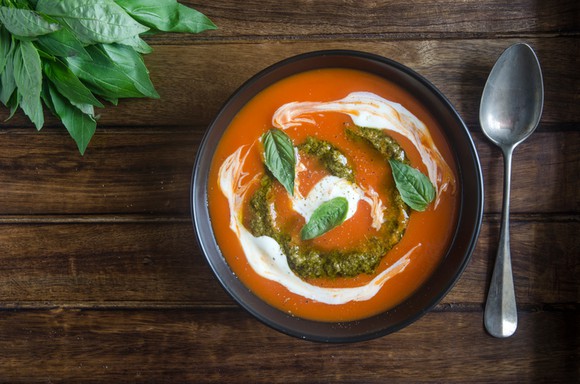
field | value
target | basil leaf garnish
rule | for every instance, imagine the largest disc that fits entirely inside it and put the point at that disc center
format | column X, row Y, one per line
column 280, row 158
column 415, row 188
column 328, row 215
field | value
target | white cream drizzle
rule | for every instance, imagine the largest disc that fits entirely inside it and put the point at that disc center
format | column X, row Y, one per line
column 372, row 111
column 330, row 187
column 326, row 189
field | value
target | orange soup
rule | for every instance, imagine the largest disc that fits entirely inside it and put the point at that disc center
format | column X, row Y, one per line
column 340, row 155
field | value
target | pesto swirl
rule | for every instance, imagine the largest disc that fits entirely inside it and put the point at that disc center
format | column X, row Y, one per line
column 304, row 259
column 332, row 158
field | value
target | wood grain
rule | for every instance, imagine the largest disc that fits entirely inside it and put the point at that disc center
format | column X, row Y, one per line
column 122, row 172
column 401, row 19
column 206, row 347
column 158, row 264
column 149, row 171
column 202, row 77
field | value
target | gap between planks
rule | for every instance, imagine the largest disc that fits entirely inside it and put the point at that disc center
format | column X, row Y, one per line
column 166, row 39
column 92, row 219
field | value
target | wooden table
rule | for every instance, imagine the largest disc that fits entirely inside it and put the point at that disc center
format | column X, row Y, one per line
column 101, row 279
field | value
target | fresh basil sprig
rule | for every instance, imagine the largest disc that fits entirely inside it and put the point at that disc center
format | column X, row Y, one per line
column 69, row 54
column 280, row 158
column 415, row 188
column 327, row 216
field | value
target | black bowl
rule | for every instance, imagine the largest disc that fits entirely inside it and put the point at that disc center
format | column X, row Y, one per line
column 469, row 215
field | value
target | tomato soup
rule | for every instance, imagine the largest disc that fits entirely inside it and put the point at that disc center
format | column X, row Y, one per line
column 340, row 182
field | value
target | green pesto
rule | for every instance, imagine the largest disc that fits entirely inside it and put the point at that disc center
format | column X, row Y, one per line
column 380, row 141
column 261, row 223
column 331, row 157
column 307, row 261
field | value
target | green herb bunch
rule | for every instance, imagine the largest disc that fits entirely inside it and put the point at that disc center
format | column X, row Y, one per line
column 70, row 55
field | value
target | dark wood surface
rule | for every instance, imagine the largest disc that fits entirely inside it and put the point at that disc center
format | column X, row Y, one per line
column 101, row 279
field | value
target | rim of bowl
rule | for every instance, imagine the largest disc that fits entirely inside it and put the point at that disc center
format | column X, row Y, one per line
column 460, row 249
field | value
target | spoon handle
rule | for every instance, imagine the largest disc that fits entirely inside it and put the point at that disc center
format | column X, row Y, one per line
column 501, row 316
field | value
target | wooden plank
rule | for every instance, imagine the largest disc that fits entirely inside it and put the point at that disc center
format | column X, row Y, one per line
column 251, row 19
column 94, row 263
column 158, row 264
column 203, row 76
column 149, row 171
column 122, row 172
column 229, row 346
column 544, row 173
column 544, row 260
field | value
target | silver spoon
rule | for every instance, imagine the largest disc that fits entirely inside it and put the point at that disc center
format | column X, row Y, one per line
column 510, row 110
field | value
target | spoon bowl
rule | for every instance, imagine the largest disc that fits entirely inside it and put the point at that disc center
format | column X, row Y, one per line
column 510, row 110
column 512, row 100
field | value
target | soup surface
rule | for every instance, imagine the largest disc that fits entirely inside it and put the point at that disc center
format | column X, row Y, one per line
column 333, row 195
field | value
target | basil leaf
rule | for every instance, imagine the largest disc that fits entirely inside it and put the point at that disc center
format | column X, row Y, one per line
column 48, row 37
column 7, row 82
column 80, row 126
column 68, row 84
column 45, row 96
column 167, row 15
column 280, row 158
column 415, row 188
column 128, row 77
column 112, row 100
column 44, row 55
column 87, row 109
column 138, row 44
column 5, row 44
column 62, row 43
column 13, row 103
column 327, row 216
column 28, row 78
column 132, row 64
column 93, row 21
column 25, row 22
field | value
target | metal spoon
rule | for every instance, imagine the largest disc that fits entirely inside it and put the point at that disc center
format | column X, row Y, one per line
column 510, row 110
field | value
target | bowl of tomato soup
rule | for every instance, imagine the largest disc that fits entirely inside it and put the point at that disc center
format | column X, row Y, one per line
column 337, row 196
